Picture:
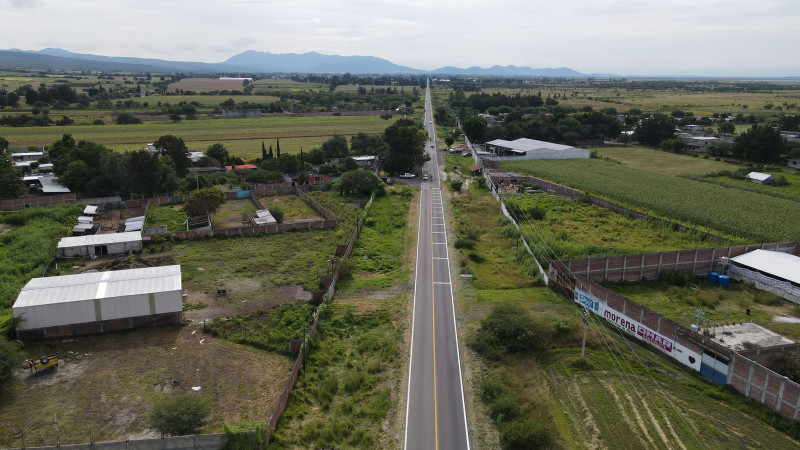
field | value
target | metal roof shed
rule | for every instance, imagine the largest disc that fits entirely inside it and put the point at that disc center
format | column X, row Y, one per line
column 101, row 301
column 784, row 266
column 100, row 244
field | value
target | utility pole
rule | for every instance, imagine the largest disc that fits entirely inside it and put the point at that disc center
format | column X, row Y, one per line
column 585, row 328
column 699, row 315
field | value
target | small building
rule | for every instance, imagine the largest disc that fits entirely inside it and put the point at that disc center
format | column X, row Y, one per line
column 45, row 185
column 693, row 128
column 263, row 217
column 760, row 178
column 698, row 144
column 100, row 244
column 150, row 148
column 99, row 302
column 772, row 271
column 28, row 157
column 523, row 148
column 794, row 163
column 196, row 156
column 365, row 161
column 84, row 229
column 242, row 167
column 90, row 210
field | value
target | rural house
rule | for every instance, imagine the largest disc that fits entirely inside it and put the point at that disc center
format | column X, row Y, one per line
column 523, row 148
column 100, row 244
column 760, row 178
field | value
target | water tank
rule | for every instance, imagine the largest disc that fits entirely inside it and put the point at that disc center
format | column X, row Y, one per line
column 723, row 281
column 713, row 277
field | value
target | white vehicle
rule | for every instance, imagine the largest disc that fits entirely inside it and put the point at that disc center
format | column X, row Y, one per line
column 425, row 177
column 433, row 145
column 408, row 175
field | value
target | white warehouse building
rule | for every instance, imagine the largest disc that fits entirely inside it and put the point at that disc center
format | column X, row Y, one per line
column 100, row 244
column 99, row 302
column 524, row 148
column 772, row 271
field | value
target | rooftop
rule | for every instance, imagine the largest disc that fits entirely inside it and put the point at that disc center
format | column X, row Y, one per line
column 759, row 176
column 778, row 264
column 525, row 145
column 100, row 239
column 89, row 286
column 745, row 336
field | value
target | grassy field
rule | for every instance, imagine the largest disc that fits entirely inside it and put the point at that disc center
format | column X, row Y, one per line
column 721, row 306
column 233, row 213
column 170, row 215
column 789, row 191
column 735, row 213
column 242, row 137
column 350, row 392
column 664, row 163
column 572, row 229
column 624, row 396
column 668, row 99
column 292, row 206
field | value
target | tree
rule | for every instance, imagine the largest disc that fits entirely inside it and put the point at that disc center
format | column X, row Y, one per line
column 475, row 128
column 76, row 176
column 3, row 144
column 180, row 415
column 625, row 138
column 269, row 155
column 263, row 151
column 360, row 182
column 365, row 144
column 761, row 143
column 655, row 129
column 335, row 147
column 127, row 119
column 171, row 182
column 726, row 127
column 449, row 141
column 277, row 148
column 218, row 152
column 406, row 143
column 11, row 185
column 175, row 148
column 349, row 164
column 144, row 171
column 203, row 202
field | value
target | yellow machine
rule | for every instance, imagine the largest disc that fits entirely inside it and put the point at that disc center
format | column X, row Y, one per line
column 43, row 362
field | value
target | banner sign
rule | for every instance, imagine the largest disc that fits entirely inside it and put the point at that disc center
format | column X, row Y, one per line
column 635, row 328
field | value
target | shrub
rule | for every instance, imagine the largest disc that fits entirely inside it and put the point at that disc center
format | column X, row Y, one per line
column 507, row 329
column 10, row 358
column 98, row 122
column 127, row 119
column 526, row 435
column 456, row 185
column 277, row 213
column 464, row 243
column 180, row 415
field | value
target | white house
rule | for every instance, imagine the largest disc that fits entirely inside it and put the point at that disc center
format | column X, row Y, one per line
column 795, row 163
column 760, row 178
column 100, row 244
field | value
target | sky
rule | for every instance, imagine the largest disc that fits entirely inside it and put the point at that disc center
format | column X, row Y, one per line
column 754, row 38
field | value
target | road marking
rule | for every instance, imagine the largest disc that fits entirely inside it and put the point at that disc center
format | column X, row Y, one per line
column 439, row 257
column 441, row 282
column 439, row 232
column 433, row 318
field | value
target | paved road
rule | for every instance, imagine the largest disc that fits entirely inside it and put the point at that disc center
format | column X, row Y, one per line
column 435, row 414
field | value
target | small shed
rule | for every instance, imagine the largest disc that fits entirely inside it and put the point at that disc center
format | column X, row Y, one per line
column 760, row 178
column 83, row 229
column 263, row 217
column 99, row 302
column 100, row 244
column 90, row 210
column 794, row 162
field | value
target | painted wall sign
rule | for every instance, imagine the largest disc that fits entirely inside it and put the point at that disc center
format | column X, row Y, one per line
column 633, row 327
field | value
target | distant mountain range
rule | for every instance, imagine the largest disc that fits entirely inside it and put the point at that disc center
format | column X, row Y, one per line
column 252, row 61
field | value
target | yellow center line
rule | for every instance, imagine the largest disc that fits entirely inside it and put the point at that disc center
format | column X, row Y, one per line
column 433, row 317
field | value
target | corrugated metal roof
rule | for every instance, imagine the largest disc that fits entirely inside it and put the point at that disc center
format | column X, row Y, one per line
column 100, row 239
column 779, row 264
column 133, row 226
column 50, row 185
column 89, row 286
column 759, row 176
column 90, row 210
column 85, row 219
column 525, row 145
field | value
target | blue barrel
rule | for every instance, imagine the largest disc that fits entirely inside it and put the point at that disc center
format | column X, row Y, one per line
column 723, row 281
column 712, row 277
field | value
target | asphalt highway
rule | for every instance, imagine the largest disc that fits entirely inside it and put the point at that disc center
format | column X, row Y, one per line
column 435, row 415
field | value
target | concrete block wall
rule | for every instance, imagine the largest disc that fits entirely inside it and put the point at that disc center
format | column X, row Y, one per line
column 16, row 204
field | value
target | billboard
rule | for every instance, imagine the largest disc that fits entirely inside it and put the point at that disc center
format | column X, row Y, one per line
column 633, row 327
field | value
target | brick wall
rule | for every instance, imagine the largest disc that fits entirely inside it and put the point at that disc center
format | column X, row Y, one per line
column 16, row 204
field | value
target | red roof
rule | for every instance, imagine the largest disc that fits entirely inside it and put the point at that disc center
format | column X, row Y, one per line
column 242, row 166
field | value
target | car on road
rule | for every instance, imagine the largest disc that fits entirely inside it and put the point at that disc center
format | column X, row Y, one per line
column 408, row 175
column 425, row 177
column 433, row 145
column 465, row 154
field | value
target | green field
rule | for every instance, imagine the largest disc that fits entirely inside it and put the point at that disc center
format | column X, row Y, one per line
column 665, row 163
column 734, row 213
column 790, row 191
column 242, row 137
column 573, row 230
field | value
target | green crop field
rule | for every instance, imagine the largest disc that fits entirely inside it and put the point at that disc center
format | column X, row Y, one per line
column 662, row 162
column 742, row 213
column 242, row 137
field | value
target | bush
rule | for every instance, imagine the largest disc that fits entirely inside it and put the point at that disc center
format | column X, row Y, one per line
column 526, row 435
column 10, row 358
column 464, row 243
column 180, row 415
column 127, row 119
column 507, row 329
column 277, row 213
column 456, row 185
column 98, row 122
